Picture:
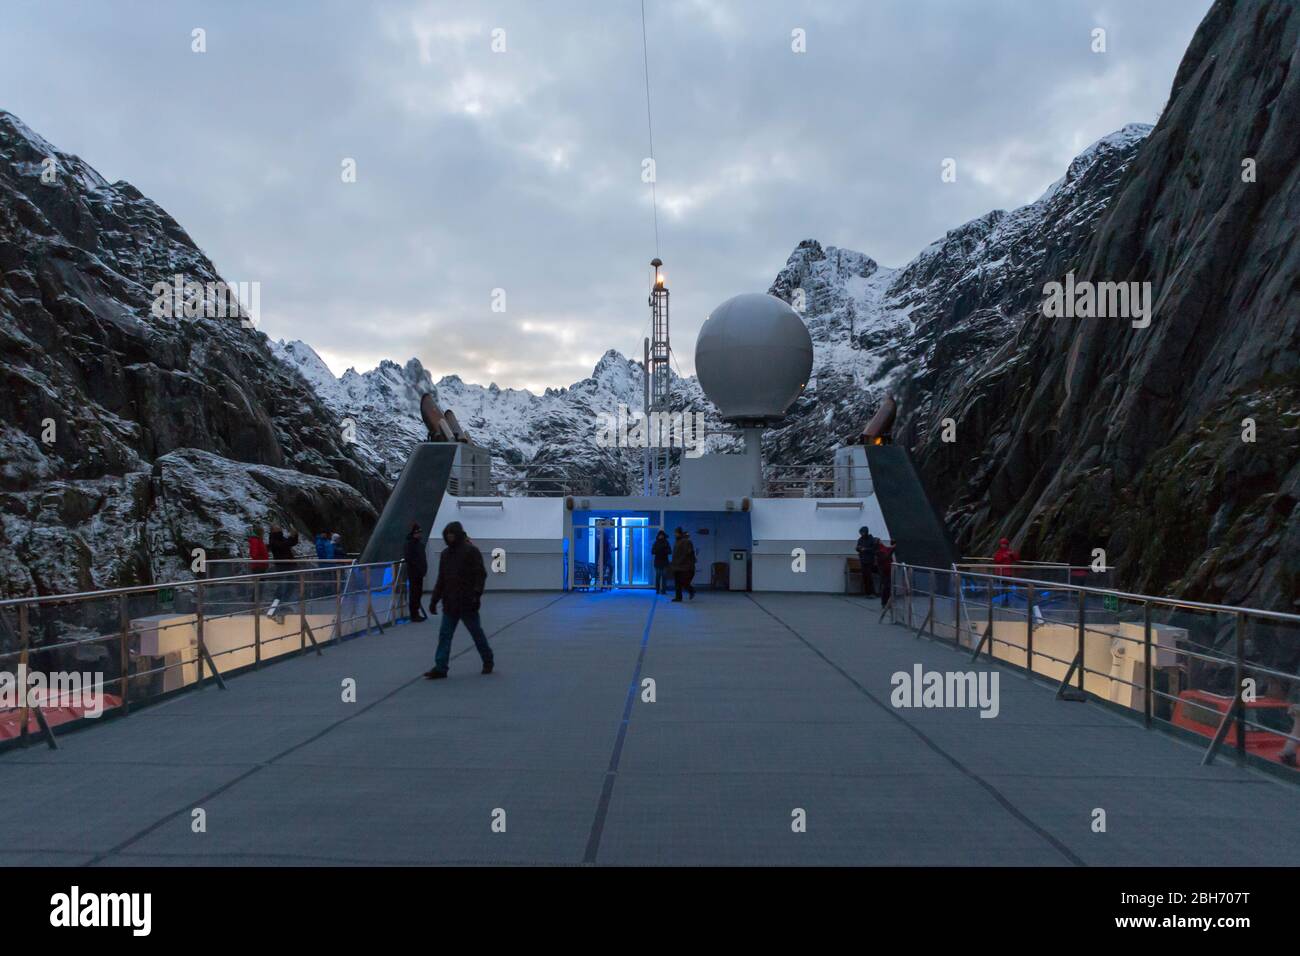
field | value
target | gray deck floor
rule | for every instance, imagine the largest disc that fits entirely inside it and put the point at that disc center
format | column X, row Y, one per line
column 765, row 704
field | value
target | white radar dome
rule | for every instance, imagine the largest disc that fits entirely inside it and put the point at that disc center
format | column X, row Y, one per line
column 753, row 357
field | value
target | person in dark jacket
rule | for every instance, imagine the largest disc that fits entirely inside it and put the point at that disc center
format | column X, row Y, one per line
column 461, row 578
column 281, row 546
column 417, row 565
column 662, row 552
column 683, row 564
column 885, row 565
column 866, row 548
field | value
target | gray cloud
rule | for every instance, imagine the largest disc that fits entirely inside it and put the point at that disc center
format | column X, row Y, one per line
column 521, row 170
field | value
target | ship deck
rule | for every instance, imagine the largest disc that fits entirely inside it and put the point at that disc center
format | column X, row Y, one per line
column 764, row 704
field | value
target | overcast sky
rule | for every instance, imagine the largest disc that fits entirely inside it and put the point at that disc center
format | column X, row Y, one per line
column 522, row 170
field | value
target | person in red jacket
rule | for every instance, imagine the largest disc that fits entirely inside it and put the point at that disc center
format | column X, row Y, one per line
column 1005, row 558
column 257, row 553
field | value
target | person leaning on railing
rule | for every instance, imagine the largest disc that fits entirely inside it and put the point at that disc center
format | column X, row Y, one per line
column 1004, row 560
column 257, row 553
column 885, row 565
column 281, row 547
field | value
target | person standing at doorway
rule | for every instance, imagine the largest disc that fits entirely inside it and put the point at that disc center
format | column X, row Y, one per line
column 662, row 552
column 683, row 564
column 417, row 565
column 461, row 579
column 866, row 548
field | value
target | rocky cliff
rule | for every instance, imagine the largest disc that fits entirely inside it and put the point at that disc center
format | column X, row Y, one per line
column 128, row 438
column 1175, row 447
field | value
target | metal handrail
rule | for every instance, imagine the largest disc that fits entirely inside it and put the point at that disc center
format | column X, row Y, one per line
column 344, row 577
column 1123, row 595
column 269, row 560
column 144, row 588
column 1237, row 713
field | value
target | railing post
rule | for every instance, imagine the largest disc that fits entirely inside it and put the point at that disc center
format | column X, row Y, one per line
column 198, row 622
column 302, row 611
column 124, row 652
column 1146, row 649
column 1083, row 668
column 393, row 596
column 370, row 607
column 957, row 609
column 907, row 579
column 893, row 592
column 24, row 644
column 990, row 634
column 1029, row 631
column 930, row 613
column 257, row 623
column 338, row 604
column 1240, row 672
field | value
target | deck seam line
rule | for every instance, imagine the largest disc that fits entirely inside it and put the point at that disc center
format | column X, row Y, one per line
column 611, row 774
column 164, row 820
column 993, row 791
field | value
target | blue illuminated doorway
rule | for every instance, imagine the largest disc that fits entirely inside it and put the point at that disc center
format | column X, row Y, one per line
column 613, row 551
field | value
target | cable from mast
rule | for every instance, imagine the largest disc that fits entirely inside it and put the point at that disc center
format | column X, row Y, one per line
column 654, row 199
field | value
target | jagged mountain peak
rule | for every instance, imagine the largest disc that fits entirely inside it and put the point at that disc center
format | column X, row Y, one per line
column 25, row 149
column 1122, row 140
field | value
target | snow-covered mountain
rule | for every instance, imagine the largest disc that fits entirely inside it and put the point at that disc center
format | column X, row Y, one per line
column 918, row 329
column 924, row 329
column 180, row 433
column 530, row 436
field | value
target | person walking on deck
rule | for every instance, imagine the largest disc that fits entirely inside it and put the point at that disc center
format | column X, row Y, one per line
column 461, row 579
column 683, row 564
